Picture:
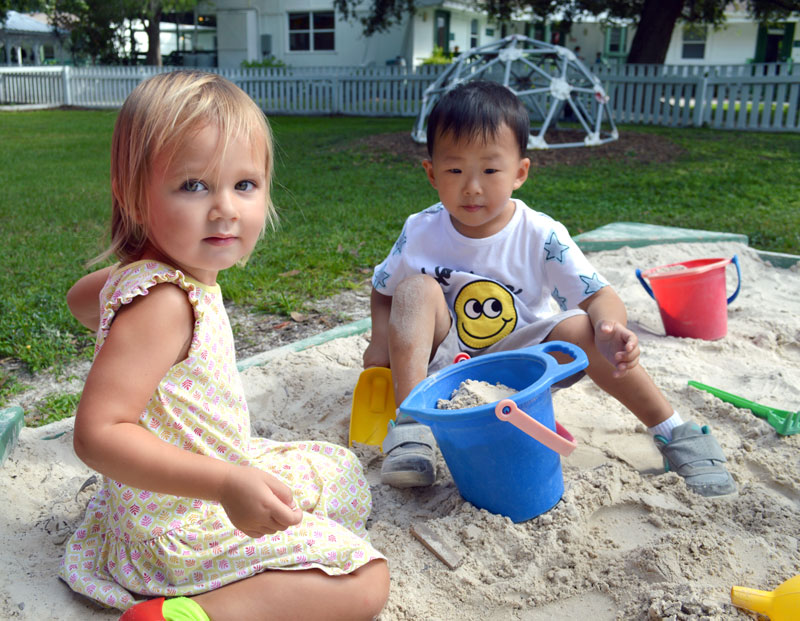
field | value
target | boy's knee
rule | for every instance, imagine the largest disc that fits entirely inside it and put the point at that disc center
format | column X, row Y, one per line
column 417, row 289
column 575, row 329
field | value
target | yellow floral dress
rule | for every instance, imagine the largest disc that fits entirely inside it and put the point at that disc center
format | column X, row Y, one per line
column 133, row 542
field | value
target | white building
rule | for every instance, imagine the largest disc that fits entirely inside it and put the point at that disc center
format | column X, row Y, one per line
column 311, row 33
column 29, row 40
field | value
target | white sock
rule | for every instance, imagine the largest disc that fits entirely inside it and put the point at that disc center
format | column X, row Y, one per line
column 664, row 428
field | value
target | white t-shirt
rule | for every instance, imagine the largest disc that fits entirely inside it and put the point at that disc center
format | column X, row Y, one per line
column 495, row 284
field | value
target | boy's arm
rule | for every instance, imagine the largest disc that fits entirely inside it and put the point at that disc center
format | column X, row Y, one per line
column 83, row 298
column 609, row 318
column 377, row 352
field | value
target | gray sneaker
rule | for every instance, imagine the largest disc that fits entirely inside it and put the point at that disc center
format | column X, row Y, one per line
column 695, row 455
column 410, row 457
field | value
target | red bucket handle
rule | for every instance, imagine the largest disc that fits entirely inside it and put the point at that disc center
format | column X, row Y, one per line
column 734, row 260
column 561, row 441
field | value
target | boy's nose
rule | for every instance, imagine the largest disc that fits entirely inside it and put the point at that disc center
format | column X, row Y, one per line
column 472, row 186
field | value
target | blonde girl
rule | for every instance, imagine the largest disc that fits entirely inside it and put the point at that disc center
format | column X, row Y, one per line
column 193, row 511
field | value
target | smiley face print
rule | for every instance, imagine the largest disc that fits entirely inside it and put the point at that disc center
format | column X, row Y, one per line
column 485, row 313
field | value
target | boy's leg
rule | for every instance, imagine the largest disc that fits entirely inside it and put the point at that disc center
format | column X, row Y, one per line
column 419, row 322
column 688, row 449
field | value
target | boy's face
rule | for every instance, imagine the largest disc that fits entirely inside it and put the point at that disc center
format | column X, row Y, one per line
column 475, row 180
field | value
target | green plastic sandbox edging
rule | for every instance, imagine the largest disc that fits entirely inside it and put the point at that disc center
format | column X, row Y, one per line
column 349, row 329
column 638, row 234
column 12, row 420
column 778, row 259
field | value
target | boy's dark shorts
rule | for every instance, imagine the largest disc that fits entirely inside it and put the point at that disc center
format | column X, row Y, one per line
column 532, row 334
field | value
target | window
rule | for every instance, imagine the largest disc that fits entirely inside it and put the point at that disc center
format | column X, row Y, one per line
column 473, row 33
column 694, row 41
column 311, row 31
column 616, row 40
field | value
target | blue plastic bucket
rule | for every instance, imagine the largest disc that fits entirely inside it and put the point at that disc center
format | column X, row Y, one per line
column 495, row 464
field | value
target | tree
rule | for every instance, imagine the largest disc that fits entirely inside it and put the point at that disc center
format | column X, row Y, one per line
column 151, row 12
column 21, row 6
column 655, row 19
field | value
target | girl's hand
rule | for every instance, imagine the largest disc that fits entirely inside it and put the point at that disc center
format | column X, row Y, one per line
column 618, row 344
column 258, row 503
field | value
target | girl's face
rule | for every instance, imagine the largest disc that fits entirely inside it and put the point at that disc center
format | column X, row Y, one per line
column 206, row 213
column 475, row 180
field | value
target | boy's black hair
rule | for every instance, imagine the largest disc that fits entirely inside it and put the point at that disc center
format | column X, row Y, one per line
column 477, row 110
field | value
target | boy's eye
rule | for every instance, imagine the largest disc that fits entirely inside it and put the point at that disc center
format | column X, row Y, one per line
column 490, row 171
column 245, row 186
column 193, row 185
column 455, row 171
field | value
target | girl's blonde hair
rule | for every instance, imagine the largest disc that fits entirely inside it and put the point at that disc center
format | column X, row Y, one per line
column 156, row 120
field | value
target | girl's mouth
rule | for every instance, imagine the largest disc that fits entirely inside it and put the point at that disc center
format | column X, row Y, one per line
column 220, row 240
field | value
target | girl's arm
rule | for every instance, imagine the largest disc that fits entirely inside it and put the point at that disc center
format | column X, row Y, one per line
column 83, row 298
column 147, row 337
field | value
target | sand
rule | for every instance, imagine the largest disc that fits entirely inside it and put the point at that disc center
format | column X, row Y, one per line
column 625, row 542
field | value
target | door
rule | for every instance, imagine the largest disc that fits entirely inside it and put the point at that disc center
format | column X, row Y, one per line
column 441, row 33
column 774, row 43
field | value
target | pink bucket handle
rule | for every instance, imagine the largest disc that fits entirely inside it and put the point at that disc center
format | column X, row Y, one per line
column 561, row 441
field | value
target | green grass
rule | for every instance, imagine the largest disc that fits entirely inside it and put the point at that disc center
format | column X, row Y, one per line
column 52, row 409
column 341, row 208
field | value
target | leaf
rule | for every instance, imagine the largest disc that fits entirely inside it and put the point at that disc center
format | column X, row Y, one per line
column 298, row 317
column 290, row 273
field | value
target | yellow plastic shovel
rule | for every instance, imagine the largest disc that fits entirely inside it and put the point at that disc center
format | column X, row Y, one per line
column 373, row 406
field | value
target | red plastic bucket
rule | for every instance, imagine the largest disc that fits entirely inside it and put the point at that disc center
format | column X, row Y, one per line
column 691, row 296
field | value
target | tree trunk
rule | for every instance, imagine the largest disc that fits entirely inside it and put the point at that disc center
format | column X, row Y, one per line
column 653, row 34
column 153, row 29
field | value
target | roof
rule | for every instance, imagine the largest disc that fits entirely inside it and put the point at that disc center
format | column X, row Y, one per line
column 19, row 22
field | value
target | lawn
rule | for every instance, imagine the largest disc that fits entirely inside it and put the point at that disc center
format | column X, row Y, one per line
column 341, row 208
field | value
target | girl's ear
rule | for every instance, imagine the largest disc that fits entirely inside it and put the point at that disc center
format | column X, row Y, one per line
column 522, row 172
column 428, row 166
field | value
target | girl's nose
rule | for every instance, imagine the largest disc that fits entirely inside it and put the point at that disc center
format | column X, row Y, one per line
column 224, row 207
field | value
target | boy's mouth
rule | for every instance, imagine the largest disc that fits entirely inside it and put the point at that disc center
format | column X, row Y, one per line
column 471, row 208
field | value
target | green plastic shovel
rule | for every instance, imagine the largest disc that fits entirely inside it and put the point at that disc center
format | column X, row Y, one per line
column 785, row 423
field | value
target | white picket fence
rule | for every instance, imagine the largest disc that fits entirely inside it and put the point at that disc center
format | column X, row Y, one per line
column 753, row 97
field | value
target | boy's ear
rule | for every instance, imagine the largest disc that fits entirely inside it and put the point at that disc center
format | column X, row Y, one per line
column 428, row 166
column 522, row 172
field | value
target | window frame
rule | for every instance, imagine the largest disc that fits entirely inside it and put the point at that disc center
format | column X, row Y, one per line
column 694, row 44
column 311, row 31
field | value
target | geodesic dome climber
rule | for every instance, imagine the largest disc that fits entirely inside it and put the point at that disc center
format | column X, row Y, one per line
column 550, row 80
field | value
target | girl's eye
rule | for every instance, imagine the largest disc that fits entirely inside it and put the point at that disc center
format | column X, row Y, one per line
column 193, row 185
column 245, row 186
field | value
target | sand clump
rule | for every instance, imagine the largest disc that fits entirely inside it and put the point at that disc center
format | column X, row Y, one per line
column 473, row 393
column 626, row 542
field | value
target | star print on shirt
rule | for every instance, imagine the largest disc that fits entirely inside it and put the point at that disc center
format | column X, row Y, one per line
column 562, row 301
column 379, row 280
column 398, row 245
column 434, row 208
column 593, row 283
column 555, row 249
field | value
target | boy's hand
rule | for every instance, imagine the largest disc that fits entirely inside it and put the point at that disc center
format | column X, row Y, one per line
column 258, row 503
column 376, row 355
column 618, row 344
